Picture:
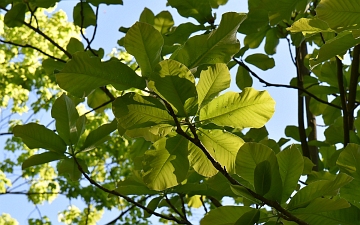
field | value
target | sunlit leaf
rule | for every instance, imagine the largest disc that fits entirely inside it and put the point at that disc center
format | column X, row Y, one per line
column 309, row 26
column 249, row 108
column 38, row 136
column 144, row 42
column 262, row 177
column 163, row 22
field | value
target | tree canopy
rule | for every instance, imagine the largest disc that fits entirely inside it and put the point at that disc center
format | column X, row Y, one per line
column 151, row 128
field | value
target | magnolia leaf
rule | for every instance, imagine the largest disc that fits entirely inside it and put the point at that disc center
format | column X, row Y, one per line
column 261, row 61
column 335, row 46
column 213, row 80
column 323, row 205
column 69, row 167
column 248, row 158
column 84, row 15
column 272, row 41
column 200, row 162
column 243, row 192
column 152, row 133
column 16, row 15
column 339, row 15
column 163, row 22
column 99, row 136
column 166, row 165
column 243, row 78
column 249, row 108
column 349, row 160
column 66, row 116
column 291, row 165
column 217, row 47
column 41, row 159
column 83, row 73
column 74, row 45
column 98, row 98
column 147, row 16
column 153, row 204
column 107, row 2
column 133, row 185
column 224, row 215
column 200, row 9
column 309, row 26
column 262, row 177
column 38, row 136
column 249, row 218
column 144, row 42
column 180, row 34
column 174, row 83
column 222, row 145
column 318, row 189
column 135, row 111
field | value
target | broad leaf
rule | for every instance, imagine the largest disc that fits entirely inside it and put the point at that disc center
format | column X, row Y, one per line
column 16, row 15
column 166, row 165
column 200, row 9
column 222, row 145
column 199, row 162
column 147, row 16
column 83, row 73
column 217, row 47
column 181, row 34
column 84, row 15
column 262, row 177
column 336, row 46
column 224, row 215
column 99, row 136
column 350, row 192
column 133, row 185
column 213, row 80
column 74, row 45
column 318, row 189
column 163, row 22
column 38, row 136
column 249, row 108
column 69, row 167
column 339, row 15
column 243, row 78
column 323, row 205
column 153, row 204
column 349, row 160
column 249, row 218
column 136, row 111
column 261, row 61
column 41, row 159
column 152, row 133
column 144, row 42
column 66, row 116
column 174, row 83
column 107, row 2
column 291, row 165
column 248, row 158
column 309, row 26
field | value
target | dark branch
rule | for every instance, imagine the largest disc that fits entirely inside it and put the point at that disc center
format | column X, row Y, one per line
column 175, row 209
column 82, row 25
column 267, row 84
column 33, row 47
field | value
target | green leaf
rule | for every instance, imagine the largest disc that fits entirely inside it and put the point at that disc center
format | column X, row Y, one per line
column 69, row 167
column 74, row 45
column 336, row 46
column 166, row 165
column 249, row 218
column 136, row 111
column 84, row 15
column 243, row 192
column 350, row 192
column 97, row 98
column 147, row 16
column 291, row 166
column 99, row 136
column 180, row 34
column 243, row 78
column 214, row 79
column 217, row 47
column 224, row 215
column 163, row 22
column 41, row 159
column 249, row 108
column 318, row 189
column 107, row 2
column 200, row 9
column 38, row 136
column 51, row 65
column 323, row 205
column 66, row 116
column 339, row 15
column 262, row 177
column 253, row 40
column 261, row 61
column 144, row 42
column 309, row 26
column 174, row 83
column 216, row 3
column 272, row 41
column 222, row 145
column 133, row 185
column 249, row 157
column 16, row 15
column 152, row 133
column 153, row 204
column 83, row 73
column 199, row 162
column 349, row 160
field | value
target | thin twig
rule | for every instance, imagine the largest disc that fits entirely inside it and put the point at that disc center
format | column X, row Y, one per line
column 33, row 47
column 290, row 51
column 174, row 208
column 82, row 26
column 267, row 84
column 203, row 204
column 183, row 205
column 121, row 215
column 150, row 211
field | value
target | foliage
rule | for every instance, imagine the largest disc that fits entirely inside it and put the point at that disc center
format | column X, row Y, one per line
column 164, row 136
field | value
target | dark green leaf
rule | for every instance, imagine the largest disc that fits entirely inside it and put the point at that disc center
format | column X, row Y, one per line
column 107, row 2
column 163, row 22
column 38, row 136
column 147, row 16
column 99, row 136
column 84, row 15
column 261, row 61
column 200, row 9
column 69, row 167
column 224, row 215
column 243, row 78
column 153, row 204
column 41, row 159
column 249, row 218
column 74, row 45
column 16, row 15
column 262, row 177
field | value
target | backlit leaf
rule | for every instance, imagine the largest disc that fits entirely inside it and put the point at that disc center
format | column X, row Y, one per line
column 224, row 215
column 200, row 9
column 261, row 61
column 99, row 135
column 262, row 177
column 41, row 159
column 84, row 15
column 70, row 168
column 16, row 15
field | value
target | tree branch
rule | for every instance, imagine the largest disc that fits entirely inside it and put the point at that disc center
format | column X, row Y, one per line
column 33, row 47
column 354, row 77
column 150, row 211
column 267, row 84
column 81, row 28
